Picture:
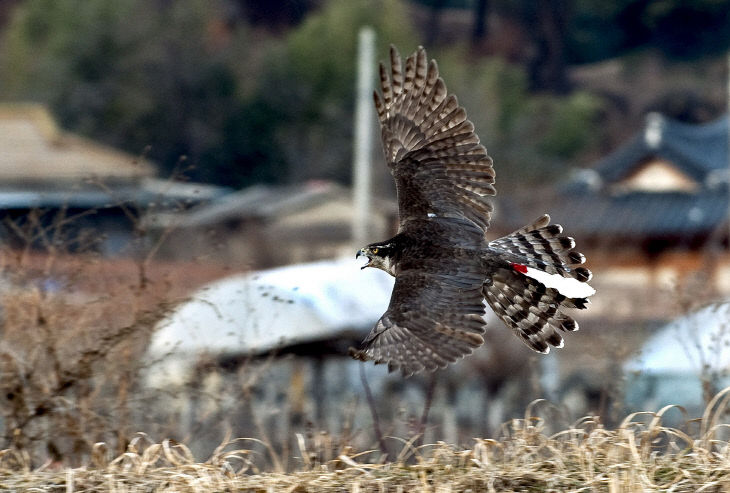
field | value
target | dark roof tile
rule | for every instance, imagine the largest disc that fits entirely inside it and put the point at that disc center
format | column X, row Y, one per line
column 696, row 149
column 642, row 213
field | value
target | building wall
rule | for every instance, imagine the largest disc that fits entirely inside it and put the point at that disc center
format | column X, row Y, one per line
column 633, row 287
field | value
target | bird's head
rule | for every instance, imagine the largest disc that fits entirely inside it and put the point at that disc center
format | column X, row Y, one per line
column 379, row 256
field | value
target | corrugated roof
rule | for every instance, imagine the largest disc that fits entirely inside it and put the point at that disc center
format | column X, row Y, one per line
column 148, row 192
column 262, row 201
column 33, row 150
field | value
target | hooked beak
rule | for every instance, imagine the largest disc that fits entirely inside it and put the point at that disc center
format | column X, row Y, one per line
column 358, row 254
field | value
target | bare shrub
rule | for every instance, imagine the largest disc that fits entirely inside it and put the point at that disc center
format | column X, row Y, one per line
column 74, row 325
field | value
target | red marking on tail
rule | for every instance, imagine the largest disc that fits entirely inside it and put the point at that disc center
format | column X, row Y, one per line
column 520, row 268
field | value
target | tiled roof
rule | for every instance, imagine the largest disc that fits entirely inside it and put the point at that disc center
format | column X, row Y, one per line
column 642, row 214
column 697, row 150
column 591, row 206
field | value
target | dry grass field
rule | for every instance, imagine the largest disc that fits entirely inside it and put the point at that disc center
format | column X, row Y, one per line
column 74, row 329
column 640, row 455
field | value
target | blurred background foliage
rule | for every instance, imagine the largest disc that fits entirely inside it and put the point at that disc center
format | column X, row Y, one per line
column 253, row 91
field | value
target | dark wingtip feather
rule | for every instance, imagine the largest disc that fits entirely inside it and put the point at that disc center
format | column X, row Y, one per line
column 567, row 242
column 540, row 348
column 583, row 274
column 555, row 340
column 580, row 303
column 576, row 258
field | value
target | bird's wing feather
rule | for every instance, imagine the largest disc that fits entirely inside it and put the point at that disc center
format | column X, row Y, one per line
column 438, row 164
column 534, row 312
column 435, row 316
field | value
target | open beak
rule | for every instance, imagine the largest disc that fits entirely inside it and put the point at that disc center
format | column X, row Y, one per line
column 358, row 254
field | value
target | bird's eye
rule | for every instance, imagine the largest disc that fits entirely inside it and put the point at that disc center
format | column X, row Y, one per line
column 375, row 251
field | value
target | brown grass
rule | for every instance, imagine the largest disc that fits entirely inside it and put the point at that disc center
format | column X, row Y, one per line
column 640, row 455
column 72, row 326
column 70, row 364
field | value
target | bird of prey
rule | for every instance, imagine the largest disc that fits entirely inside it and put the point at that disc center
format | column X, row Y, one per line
column 444, row 266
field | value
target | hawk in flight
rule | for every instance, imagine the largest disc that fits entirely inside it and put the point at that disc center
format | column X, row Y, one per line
column 444, row 266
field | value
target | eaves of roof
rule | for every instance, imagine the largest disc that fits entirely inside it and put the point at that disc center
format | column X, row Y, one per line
column 643, row 214
column 697, row 150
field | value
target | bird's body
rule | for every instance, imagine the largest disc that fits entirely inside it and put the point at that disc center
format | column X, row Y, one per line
column 445, row 268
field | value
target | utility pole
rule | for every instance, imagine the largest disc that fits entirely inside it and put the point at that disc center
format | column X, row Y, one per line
column 362, row 146
column 727, row 183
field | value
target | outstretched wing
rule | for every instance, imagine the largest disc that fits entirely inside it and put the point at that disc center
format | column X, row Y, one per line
column 435, row 316
column 439, row 166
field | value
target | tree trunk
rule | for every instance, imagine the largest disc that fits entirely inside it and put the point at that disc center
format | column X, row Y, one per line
column 434, row 22
column 481, row 7
column 548, row 66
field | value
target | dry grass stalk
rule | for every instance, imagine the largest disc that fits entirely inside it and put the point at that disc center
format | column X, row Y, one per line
column 640, row 455
column 72, row 324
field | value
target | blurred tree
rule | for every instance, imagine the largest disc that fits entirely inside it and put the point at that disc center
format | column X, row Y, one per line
column 560, row 33
column 678, row 28
column 479, row 31
column 547, row 66
column 167, row 75
column 276, row 14
column 685, row 105
column 309, row 84
column 133, row 74
column 684, row 28
column 191, row 78
column 532, row 138
column 600, row 30
column 433, row 28
column 6, row 7
column 566, row 125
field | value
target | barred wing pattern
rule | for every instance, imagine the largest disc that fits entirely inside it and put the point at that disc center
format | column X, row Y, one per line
column 532, row 310
column 435, row 317
column 543, row 248
column 438, row 164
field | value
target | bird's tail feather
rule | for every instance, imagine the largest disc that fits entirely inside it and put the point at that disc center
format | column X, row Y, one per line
column 525, row 304
column 542, row 247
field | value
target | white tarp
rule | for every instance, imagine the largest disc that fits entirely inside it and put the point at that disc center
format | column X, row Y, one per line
column 257, row 312
column 688, row 343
